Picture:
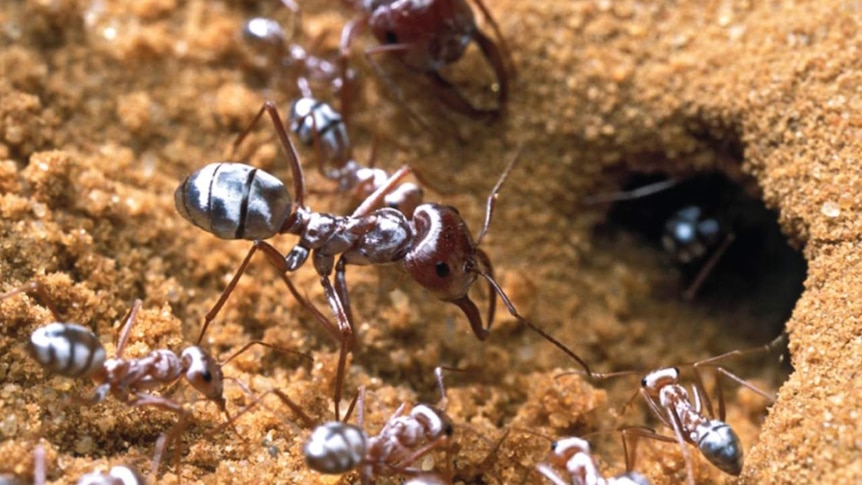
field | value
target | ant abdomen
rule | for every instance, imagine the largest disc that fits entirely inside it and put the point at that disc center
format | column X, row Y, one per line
column 336, row 448
column 234, row 201
column 67, row 349
column 307, row 116
column 720, row 445
column 118, row 475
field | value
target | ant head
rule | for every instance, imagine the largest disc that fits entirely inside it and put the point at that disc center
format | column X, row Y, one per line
column 657, row 379
column 204, row 374
column 434, row 421
column 234, row 201
column 568, row 447
column 443, row 260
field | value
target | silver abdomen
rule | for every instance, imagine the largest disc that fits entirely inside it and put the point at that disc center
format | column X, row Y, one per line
column 336, row 448
column 67, row 349
column 308, row 115
column 234, row 201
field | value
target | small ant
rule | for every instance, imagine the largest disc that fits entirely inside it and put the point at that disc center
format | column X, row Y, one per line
column 694, row 422
column 434, row 246
column 573, row 455
column 72, row 350
column 337, row 447
column 427, row 35
column 117, row 475
column 318, row 124
column 695, row 219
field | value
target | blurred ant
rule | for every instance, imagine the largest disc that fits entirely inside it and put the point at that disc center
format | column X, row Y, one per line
column 573, row 455
column 319, row 125
column 702, row 219
column 291, row 60
column 425, row 36
column 692, row 416
column 117, row 475
column 72, row 350
column 434, row 246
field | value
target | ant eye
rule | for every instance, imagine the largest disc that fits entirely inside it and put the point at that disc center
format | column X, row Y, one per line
column 643, row 382
column 207, row 376
column 442, row 269
column 391, row 38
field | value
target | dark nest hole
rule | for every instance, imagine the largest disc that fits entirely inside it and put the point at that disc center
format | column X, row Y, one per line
column 758, row 272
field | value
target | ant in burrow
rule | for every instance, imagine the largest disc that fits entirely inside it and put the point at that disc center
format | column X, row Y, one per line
column 694, row 422
column 434, row 246
column 573, row 455
column 702, row 219
column 426, row 36
column 72, row 350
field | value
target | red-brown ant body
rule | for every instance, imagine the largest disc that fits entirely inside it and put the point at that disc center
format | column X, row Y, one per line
column 425, row 36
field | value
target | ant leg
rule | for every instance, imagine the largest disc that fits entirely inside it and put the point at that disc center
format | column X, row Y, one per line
column 276, row 259
column 348, row 34
column 267, row 345
column 549, row 473
column 504, row 47
column 634, row 433
column 673, row 417
column 532, row 326
column 345, row 326
column 165, row 439
column 40, row 292
column 39, row 467
column 127, row 328
column 449, row 95
column 376, row 197
column 707, row 267
column 290, row 150
column 492, row 197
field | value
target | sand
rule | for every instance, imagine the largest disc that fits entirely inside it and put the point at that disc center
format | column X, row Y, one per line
column 106, row 106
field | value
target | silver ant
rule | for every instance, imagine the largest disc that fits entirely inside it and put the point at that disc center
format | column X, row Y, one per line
column 434, row 246
column 337, row 447
column 573, row 455
column 72, row 350
column 691, row 416
column 317, row 124
column 426, row 36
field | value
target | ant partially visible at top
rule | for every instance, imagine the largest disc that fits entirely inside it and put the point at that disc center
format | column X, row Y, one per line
column 433, row 246
column 75, row 351
column 697, row 221
column 425, row 36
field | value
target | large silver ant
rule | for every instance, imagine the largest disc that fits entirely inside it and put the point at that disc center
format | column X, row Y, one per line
column 434, row 246
column 75, row 351
column 425, row 36
column 573, row 455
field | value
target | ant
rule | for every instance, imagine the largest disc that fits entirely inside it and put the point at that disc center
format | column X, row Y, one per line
column 433, row 246
column 72, row 350
column 700, row 220
column 691, row 416
column 573, row 455
column 426, row 36
column 337, row 447
column 318, row 124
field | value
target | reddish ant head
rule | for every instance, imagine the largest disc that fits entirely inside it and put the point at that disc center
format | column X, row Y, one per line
column 443, row 260
column 446, row 261
column 655, row 380
column 433, row 33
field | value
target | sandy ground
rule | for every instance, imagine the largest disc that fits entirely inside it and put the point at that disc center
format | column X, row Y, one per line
column 106, row 106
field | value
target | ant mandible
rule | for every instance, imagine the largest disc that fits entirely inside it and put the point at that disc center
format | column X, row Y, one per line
column 434, row 246
column 426, row 35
